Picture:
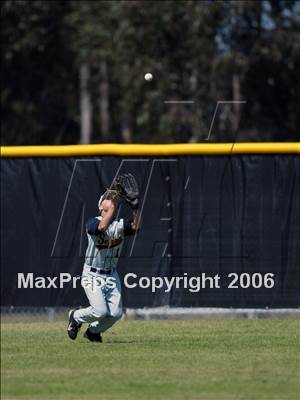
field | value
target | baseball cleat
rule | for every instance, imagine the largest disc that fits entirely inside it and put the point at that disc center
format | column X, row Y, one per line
column 93, row 337
column 73, row 326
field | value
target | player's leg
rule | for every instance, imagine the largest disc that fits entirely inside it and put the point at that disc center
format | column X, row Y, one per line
column 93, row 286
column 97, row 309
column 114, row 305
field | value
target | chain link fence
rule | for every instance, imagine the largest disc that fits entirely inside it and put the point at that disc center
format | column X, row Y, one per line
column 12, row 314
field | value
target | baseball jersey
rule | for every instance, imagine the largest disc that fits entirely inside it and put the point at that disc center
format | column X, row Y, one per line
column 104, row 248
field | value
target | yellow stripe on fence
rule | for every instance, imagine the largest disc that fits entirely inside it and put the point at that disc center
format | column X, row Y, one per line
column 151, row 149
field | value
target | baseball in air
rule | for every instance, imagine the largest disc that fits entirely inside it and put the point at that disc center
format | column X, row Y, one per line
column 148, row 77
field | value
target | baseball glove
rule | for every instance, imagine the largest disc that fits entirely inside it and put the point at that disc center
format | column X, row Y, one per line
column 127, row 185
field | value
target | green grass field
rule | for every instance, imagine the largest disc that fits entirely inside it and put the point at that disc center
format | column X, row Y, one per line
column 201, row 359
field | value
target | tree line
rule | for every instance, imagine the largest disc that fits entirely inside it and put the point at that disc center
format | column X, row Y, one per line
column 73, row 71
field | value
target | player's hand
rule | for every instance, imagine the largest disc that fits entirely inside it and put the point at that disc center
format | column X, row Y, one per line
column 130, row 189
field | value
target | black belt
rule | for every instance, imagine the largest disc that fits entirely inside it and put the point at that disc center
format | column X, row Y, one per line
column 102, row 271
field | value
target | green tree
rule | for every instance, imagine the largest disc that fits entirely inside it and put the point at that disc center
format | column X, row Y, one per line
column 37, row 97
column 73, row 71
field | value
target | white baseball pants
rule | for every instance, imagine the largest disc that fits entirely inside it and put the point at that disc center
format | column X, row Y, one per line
column 104, row 295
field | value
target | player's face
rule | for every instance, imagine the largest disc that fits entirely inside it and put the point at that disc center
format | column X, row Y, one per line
column 102, row 210
column 105, row 206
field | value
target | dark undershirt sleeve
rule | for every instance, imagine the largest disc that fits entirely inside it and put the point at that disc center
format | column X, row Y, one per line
column 128, row 228
column 92, row 226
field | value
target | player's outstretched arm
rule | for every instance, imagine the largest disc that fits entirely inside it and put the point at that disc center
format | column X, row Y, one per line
column 137, row 220
column 131, row 192
column 127, row 185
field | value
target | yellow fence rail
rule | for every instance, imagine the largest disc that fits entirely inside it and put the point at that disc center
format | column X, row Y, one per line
column 113, row 149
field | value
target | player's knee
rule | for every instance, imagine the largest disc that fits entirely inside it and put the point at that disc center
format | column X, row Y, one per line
column 117, row 314
column 99, row 312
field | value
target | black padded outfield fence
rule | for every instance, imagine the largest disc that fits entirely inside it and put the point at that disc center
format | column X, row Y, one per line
column 221, row 224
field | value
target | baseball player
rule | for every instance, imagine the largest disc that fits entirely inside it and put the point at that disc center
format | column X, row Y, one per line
column 100, row 279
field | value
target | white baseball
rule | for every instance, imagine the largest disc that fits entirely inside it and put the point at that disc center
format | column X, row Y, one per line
column 148, row 77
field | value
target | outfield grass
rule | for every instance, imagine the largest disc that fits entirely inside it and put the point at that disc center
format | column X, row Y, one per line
column 213, row 360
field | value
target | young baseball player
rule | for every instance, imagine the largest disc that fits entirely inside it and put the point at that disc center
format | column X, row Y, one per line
column 100, row 279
